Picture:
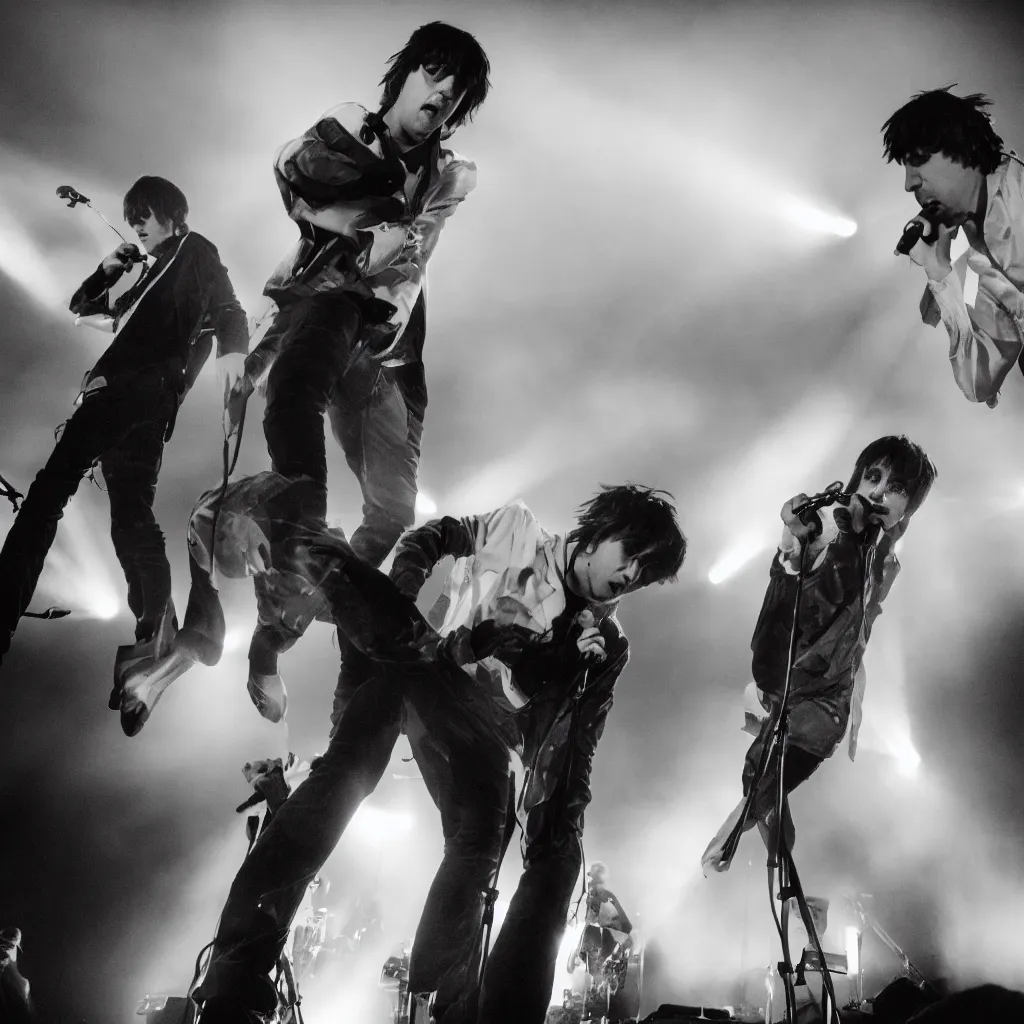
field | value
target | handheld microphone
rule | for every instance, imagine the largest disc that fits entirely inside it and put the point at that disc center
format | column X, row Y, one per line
column 913, row 230
column 133, row 254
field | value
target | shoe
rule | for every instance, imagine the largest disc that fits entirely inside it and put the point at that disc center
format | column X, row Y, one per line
column 268, row 694
column 145, row 684
column 130, row 657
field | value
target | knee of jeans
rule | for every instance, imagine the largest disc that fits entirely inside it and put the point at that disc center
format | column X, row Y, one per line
column 477, row 847
column 136, row 528
column 390, row 521
column 51, row 489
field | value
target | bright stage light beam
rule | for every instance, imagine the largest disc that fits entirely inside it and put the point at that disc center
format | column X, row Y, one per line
column 105, row 605
column 380, row 827
column 852, row 938
column 810, row 218
column 425, row 506
column 22, row 262
column 908, row 760
column 735, row 557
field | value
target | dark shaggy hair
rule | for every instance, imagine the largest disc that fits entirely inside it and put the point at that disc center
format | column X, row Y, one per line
column 446, row 50
column 645, row 523
column 905, row 460
column 939, row 122
column 157, row 196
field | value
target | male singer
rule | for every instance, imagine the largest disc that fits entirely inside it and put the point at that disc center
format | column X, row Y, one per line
column 162, row 337
column 960, row 175
column 371, row 193
column 524, row 658
column 849, row 568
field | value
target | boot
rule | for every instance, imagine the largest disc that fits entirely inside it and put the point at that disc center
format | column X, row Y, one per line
column 145, row 683
column 131, row 657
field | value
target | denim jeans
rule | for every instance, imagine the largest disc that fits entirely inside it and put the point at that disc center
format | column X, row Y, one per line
column 376, row 420
column 471, row 788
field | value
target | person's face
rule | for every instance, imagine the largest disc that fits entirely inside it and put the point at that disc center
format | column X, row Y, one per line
column 151, row 230
column 428, row 99
column 605, row 572
column 936, row 179
column 879, row 485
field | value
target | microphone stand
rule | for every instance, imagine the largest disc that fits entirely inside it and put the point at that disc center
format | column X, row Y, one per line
column 780, row 859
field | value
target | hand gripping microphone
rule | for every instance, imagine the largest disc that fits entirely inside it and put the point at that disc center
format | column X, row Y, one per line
column 913, row 230
column 807, row 512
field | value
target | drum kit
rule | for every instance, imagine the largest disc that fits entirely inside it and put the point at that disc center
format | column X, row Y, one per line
column 607, row 980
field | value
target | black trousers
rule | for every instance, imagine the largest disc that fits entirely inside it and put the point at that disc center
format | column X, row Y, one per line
column 322, row 368
column 465, row 766
column 123, row 425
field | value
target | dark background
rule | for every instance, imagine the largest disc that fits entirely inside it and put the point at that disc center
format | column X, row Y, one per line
column 630, row 294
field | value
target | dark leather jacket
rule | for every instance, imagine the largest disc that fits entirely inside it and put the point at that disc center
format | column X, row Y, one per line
column 170, row 315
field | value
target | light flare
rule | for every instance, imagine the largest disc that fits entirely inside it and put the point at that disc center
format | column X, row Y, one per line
column 736, row 556
column 805, row 215
column 425, row 505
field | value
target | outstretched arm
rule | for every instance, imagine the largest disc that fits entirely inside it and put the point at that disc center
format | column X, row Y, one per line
column 421, row 549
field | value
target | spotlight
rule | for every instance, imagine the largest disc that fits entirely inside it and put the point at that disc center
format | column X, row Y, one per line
column 232, row 640
column 908, row 760
column 23, row 262
column 735, row 557
column 377, row 826
column 810, row 218
column 852, row 936
column 104, row 605
column 425, row 506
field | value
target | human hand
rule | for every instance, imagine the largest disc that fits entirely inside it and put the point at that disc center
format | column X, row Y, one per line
column 796, row 526
column 935, row 257
column 121, row 258
column 590, row 643
column 231, row 377
column 230, row 370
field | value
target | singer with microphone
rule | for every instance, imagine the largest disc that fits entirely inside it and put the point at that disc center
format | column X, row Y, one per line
column 962, row 178
column 515, row 665
column 850, row 565
column 163, row 327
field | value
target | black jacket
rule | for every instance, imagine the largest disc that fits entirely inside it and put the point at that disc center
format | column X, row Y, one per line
column 169, row 316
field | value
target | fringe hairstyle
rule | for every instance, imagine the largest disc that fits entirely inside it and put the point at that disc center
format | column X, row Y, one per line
column 644, row 522
column 939, row 122
column 444, row 49
column 905, row 460
column 160, row 197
